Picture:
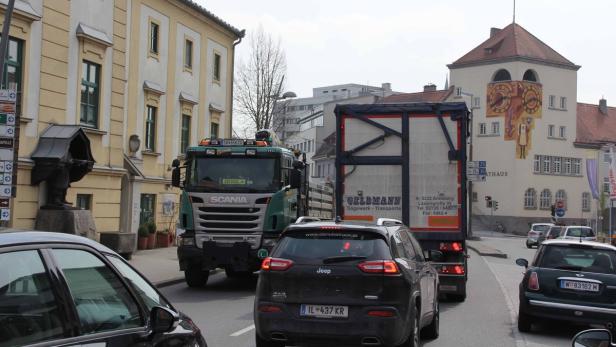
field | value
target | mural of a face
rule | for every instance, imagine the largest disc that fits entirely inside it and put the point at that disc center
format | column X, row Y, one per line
column 519, row 102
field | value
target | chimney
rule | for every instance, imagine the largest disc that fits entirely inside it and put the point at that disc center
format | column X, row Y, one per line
column 603, row 106
column 494, row 31
column 386, row 87
column 430, row 87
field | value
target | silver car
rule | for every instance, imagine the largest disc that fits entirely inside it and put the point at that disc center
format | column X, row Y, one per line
column 578, row 232
column 537, row 231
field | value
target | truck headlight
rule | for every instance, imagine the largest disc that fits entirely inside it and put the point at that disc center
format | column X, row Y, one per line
column 269, row 242
column 187, row 241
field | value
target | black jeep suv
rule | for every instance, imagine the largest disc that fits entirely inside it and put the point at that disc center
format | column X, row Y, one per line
column 329, row 283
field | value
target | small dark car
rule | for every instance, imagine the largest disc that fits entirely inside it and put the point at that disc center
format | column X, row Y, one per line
column 339, row 284
column 60, row 289
column 569, row 280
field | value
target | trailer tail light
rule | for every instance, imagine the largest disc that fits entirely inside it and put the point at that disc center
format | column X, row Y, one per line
column 533, row 281
column 276, row 264
column 451, row 247
column 452, row 269
column 387, row 267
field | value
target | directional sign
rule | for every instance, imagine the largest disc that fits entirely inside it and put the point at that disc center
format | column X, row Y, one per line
column 5, row 191
column 6, row 142
column 6, row 155
column 476, row 171
column 4, row 203
column 7, row 118
column 7, row 178
column 8, row 95
column 7, row 130
column 560, row 212
column 5, row 214
column 8, row 166
column 482, row 163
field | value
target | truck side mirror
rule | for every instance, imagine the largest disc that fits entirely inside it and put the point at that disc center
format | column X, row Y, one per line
column 296, row 179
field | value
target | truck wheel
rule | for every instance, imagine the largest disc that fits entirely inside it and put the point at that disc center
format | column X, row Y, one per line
column 196, row 277
column 260, row 342
column 525, row 322
column 432, row 330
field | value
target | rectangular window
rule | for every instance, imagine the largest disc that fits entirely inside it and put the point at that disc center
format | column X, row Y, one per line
column 90, row 90
column 188, row 54
column 537, row 164
column 217, row 67
column 552, row 101
column 556, row 165
column 458, row 91
column 562, row 132
column 586, row 201
column 185, row 133
column 148, row 209
column 606, row 157
column 150, row 129
column 214, row 130
column 551, row 130
column 606, row 185
column 563, row 103
column 13, row 69
column 546, row 164
column 84, row 201
column 476, row 102
column 154, row 32
column 567, row 170
column 482, row 128
column 495, row 128
column 577, row 166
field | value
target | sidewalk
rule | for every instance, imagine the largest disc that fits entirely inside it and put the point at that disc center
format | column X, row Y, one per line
column 159, row 265
column 484, row 250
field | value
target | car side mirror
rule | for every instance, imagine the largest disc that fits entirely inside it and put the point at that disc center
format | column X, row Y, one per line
column 295, row 179
column 434, row 255
column 593, row 338
column 522, row 262
column 163, row 320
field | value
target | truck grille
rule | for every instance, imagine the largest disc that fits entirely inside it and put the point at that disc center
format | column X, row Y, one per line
column 230, row 226
column 229, row 209
column 230, row 219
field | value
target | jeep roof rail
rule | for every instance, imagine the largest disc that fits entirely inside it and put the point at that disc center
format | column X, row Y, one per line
column 307, row 219
column 388, row 221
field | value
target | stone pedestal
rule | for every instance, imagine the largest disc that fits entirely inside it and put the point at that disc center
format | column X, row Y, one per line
column 78, row 222
column 123, row 243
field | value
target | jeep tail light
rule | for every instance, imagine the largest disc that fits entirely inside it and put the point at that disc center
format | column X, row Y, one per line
column 276, row 264
column 387, row 267
column 451, row 247
column 381, row 313
column 533, row 281
column 451, row 269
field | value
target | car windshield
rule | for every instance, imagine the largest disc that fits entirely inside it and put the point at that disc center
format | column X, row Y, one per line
column 319, row 247
column 241, row 174
column 579, row 259
column 541, row 227
column 580, row 232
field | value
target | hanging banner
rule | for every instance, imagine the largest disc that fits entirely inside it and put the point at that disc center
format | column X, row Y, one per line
column 591, row 173
column 612, row 175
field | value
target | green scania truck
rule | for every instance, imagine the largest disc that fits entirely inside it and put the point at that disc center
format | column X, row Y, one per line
column 237, row 197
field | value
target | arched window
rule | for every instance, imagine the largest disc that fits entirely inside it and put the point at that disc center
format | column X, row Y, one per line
column 586, row 201
column 562, row 196
column 501, row 75
column 545, row 200
column 530, row 198
column 530, row 75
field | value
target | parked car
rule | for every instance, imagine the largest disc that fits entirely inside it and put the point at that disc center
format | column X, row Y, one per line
column 537, row 230
column 569, row 280
column 61, row 289
column 551, row 234
column 329, row 283
column 577, row 232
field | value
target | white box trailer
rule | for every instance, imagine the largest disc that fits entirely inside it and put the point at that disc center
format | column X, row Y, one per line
column 407, row 162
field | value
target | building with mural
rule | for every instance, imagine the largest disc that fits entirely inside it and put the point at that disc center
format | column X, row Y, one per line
column 143, row 78
column 537, row 141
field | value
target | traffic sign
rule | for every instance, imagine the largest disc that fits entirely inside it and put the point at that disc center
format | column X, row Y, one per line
column 4, row 203
column 560, row 204
column 5, row 214
column 560, row 212
column 5, row 191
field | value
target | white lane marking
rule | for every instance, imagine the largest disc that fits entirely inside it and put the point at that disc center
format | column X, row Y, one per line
column 243, row 331
column 520, row 340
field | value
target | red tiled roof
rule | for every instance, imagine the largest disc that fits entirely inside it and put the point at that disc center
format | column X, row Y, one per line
column 432, row 96
column 594, row 127
column 513, row 41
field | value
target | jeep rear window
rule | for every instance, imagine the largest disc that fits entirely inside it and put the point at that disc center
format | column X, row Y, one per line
column 313, row 247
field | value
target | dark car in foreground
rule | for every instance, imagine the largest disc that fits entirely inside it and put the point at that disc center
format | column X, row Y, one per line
column 338, row 284
column 569, row 280
column 64, row 290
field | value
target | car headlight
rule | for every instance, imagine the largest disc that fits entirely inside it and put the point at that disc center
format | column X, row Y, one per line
column 187, row 241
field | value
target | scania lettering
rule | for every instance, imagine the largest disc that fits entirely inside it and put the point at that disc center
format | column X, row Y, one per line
column 407, row 162
column 237, row 196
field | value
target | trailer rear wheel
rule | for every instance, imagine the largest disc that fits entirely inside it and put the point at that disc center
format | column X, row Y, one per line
column 196, row 277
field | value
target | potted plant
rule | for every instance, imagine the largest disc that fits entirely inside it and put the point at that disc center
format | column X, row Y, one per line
column 142, row 241
column 151, row 235
column 162, row 238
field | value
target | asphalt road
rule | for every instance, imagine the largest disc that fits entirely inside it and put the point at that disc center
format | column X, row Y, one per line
column 223, row 310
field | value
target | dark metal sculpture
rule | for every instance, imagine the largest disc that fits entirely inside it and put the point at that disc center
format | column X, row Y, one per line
column 62, row 156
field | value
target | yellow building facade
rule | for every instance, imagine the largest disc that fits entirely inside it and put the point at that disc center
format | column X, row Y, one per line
column 143, row 78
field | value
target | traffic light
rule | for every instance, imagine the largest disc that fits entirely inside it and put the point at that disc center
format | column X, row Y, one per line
column 488, row 201
column 495, row 204
column 553, row 210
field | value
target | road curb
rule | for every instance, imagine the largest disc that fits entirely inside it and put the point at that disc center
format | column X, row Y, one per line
column 487, row 251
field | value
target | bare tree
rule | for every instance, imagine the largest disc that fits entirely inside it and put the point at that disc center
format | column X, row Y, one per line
column 259, row 81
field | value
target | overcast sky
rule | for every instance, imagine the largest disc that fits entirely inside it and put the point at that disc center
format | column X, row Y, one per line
column 410, row 42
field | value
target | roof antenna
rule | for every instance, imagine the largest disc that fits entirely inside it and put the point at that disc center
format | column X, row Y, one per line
column 513, row 11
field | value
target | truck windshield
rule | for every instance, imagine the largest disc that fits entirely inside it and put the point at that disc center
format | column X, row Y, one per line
column 241, row 174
